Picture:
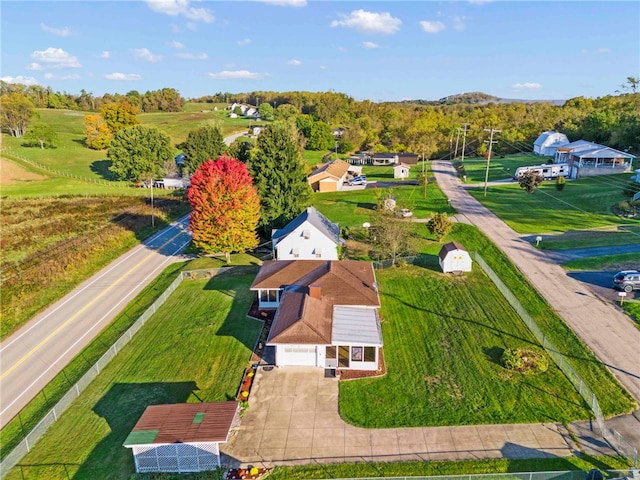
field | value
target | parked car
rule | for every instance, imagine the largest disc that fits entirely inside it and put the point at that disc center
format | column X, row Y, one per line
column 627, row 280
column 404, row 213
column 359, row 180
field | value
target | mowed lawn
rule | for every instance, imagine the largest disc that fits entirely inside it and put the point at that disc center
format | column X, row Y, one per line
column 193, row 350
column 584, row 204
column 500, row 167
column 443, row 336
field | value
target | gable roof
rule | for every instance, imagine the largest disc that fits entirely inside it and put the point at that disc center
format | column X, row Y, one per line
column 183, row 423
column 301, row 319
column 343, row 282
column 450, row 247
column 334, row 168
column 315, row 218
column 586, row 149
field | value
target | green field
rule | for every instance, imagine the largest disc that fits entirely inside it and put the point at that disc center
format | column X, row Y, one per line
column 500, row 167
column 584, row 204
column 215, row 341
column 622, row 261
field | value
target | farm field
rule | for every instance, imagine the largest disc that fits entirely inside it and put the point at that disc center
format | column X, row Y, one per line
column 584, row 204
column 50, row 245
column 215, row 338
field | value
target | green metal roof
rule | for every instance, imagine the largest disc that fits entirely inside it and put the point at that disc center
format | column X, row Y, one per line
column 141, row 437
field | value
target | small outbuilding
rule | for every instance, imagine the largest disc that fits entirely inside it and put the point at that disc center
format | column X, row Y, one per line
column 454, row 257
column 548, row 143
column 182, row 437
column 401, row 170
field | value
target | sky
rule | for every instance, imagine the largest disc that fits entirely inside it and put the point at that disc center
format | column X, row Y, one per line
column 376, row 50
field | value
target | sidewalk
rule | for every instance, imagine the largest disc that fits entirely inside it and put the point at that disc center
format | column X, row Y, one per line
column 293, row 419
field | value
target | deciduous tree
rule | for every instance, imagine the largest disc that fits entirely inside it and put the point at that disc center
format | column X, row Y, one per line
column 98, row 135
column 530, row 181
column 42, row 135
column 203, row 143
column 16, row 112
column 139, row 152
column 392, row 236
column 279, row 173
column 226, row 207
column 119, row 115
column 439, row 225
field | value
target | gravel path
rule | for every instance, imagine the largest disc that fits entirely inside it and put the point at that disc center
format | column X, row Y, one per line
column 608, row 332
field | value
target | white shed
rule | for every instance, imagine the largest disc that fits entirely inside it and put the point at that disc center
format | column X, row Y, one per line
column 401, row 170
column 454, row 257
column 182, row 437
column 548, row 142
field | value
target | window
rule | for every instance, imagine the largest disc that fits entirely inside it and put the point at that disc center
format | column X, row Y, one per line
column 369, row 354
column 331, row 352
column 356, row 354
column 295, row 252
column 363, row 354
column 318, row 252
column 306, row 234
column 268, row 296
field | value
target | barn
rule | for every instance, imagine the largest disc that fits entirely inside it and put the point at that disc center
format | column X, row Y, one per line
column 548, row 142
column 454, row 257
column 181, row 437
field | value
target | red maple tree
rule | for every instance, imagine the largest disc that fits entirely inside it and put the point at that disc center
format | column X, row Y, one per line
column 225, row 207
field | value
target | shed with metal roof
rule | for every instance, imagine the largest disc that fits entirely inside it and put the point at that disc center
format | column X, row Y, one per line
column 182, row 437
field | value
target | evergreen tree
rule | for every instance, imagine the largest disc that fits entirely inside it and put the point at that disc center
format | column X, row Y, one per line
column 203, row 143
column 279, row 174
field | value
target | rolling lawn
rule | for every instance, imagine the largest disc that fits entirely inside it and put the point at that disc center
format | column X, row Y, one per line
column 584, row 204
column 499, row 167
column 193, row 350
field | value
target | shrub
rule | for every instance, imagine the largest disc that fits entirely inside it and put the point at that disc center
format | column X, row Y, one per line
column 524, row 361
column 439, row 225
column 560, row 183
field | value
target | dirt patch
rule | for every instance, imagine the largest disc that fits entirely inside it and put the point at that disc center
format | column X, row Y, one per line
column 13, row 173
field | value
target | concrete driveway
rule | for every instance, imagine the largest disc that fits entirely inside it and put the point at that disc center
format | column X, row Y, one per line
column 293, row 419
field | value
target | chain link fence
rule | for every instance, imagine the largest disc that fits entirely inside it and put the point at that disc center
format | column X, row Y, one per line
column 74, row 392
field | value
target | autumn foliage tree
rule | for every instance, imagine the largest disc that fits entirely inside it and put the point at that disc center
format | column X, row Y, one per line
column 225, row 207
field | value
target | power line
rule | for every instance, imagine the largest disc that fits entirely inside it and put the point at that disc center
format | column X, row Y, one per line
column 491, row 141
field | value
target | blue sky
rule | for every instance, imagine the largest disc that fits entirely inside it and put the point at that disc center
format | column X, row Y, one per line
column 380, row 50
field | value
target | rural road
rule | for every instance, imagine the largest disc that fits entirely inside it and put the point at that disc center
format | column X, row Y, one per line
column 36, row 353
column 604, row 329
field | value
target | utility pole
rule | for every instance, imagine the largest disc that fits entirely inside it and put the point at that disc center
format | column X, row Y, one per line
column 490, row 142
column 455, row 155
column 464, row 138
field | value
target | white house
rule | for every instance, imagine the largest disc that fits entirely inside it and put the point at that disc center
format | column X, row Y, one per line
column 548, row 142
column 588, row 159
column 309, row 236
column 327, row 313
column 182, row 437
column 401, row 170
column 453, row 257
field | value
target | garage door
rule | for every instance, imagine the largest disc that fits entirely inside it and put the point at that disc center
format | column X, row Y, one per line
column 301, row 355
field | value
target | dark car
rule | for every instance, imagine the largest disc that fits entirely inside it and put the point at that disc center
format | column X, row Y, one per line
column 627, row 280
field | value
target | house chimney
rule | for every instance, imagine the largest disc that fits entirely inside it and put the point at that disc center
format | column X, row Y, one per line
column 315, row 291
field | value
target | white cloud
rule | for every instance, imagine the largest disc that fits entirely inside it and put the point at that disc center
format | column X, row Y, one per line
column 286, row 3
column 34, row 66
column 459, row 22
column 294, row 62
column 51, row 76
column 597, row 51
column 192, row 56
column 527, row 86
column 146, row 55
column 236, row 75
column 60, row 32
column 176, row 44
column 244, row 41
column 369, row 22
column 56, row 58
column 432, row 27
column 105, row 54
column 370, row 45
column 123, row 76
column 176, row 8
column 20, row 79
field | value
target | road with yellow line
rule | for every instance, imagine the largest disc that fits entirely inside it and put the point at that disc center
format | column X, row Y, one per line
column 36, row 353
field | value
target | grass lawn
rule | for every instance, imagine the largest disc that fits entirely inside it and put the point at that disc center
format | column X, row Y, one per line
column 623, row 261
column 499, row 167
column 215, row 340
column 443, row 336
column 584, row 204
column 632, row 309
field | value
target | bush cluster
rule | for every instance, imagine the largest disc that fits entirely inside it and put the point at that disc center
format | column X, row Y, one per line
column 524, row 361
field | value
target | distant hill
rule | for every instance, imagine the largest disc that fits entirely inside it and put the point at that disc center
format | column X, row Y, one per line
column 479, row 98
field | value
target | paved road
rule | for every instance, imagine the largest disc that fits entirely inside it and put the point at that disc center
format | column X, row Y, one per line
column 607, row 331
column 36, row 353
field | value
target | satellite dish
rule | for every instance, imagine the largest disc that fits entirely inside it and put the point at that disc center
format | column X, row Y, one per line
column 366, row 225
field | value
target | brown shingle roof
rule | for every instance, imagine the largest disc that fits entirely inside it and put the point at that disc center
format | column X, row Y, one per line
column 450, row 247
column 184, row 422
column 302, row 319
column 335, row 168
column 344, row 282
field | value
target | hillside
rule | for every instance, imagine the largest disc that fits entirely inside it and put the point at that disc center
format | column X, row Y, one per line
column 479, row 98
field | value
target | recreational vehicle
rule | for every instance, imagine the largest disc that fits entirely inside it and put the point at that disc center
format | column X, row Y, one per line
column 548, row 171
